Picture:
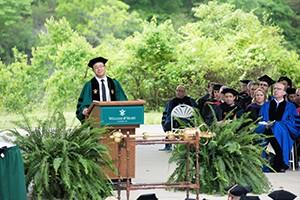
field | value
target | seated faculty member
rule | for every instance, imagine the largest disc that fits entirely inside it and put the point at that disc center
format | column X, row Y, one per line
column 229, row 106
column 283, row 129
column 180, row 98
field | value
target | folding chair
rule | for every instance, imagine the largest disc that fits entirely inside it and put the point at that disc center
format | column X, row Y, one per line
column 292, row 158
column 182, row 111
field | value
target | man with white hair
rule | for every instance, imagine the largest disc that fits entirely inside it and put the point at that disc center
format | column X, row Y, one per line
column 278, row 120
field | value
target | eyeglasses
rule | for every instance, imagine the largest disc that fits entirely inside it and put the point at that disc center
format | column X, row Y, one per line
column 264, row 84
column 179, row 90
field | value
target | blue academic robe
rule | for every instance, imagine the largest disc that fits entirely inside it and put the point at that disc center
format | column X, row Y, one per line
column 283, row 130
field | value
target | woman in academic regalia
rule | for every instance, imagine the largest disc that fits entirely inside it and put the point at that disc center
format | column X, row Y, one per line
column 259, row 99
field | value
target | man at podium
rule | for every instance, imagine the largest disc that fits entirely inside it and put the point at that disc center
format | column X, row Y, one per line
column 99, row 88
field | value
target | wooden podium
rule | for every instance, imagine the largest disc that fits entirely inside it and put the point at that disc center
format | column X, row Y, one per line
column 124, row 116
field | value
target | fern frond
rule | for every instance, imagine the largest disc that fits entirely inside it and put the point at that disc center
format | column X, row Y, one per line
column 64, row 162
column 232, row 156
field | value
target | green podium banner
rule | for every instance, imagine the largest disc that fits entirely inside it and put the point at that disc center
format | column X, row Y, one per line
column 121, row 115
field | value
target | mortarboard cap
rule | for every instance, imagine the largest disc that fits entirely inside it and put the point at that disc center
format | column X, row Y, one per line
column 282, row 195
column 287, row 79
column 217, row 86
column 147, row 197
column 95, row 60
column 246, row 81
column 267, row 79
column 238, row 190
column 230, row 90
column 291, row 90
column 250, row 198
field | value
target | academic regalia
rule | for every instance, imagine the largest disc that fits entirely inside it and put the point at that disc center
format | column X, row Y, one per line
column 283, row 127
column 291, row 90
column 291, row 95
column 147, row 197
column 166, row 118
column 282, row 195
column 244, row 100
column 97, row 59
column 250, row 198
column 90, row 93
column 224, row 109
column 287, row 79
column 238, row 190
column 244, row 84
column 254, row 110
column 12, row 177
column 245, row 81
column 209, row 110
column 201, row 101
column 230, row 90
column 208, row 98
column 267, row 79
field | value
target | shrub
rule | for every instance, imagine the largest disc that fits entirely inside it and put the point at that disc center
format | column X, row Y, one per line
column 64, row 162
column 232, row 156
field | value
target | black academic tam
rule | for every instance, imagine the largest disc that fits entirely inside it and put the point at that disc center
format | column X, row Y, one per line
column 267, row 79
column 238, row 190
column 147, row 197
column 250, row 198
column 282, row 195
column 230, row 90
column 95, row 60
column 246, row 81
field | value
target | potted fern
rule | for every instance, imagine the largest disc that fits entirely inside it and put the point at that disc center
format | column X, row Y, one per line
column 64, row 163
column 232, row 156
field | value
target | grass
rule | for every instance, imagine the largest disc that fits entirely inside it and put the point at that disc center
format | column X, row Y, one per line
column 153, row 117
column 7, row 119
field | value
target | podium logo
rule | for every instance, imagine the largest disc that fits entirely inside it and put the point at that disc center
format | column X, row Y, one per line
column 122, row 112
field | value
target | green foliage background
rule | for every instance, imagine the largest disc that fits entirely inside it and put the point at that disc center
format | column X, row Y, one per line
column 151, row 45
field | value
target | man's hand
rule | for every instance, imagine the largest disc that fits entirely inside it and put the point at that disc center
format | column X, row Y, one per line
column 270, row 124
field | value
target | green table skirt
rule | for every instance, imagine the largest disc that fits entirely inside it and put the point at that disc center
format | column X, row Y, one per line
column 12, row 178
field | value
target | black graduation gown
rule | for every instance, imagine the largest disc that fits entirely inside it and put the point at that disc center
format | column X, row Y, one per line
column 253, row 109
column 209, row 111
column 224, row 109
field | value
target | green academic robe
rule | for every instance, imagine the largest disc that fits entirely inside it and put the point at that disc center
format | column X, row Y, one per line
column 90, row 93
column 12, row 178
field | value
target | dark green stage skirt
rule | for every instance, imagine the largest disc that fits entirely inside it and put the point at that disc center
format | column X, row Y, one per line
column 12, row 178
